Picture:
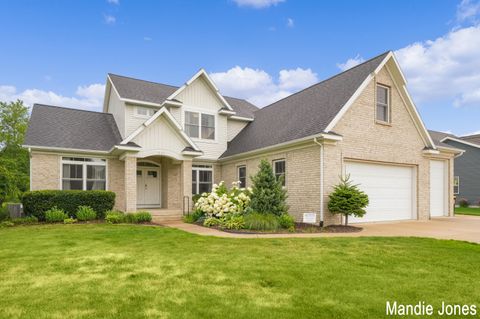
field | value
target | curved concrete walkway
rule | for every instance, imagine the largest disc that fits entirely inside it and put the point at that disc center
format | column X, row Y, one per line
column 460, row 227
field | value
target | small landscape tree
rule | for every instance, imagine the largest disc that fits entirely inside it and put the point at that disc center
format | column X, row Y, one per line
column 347, row 199
column 268, row 195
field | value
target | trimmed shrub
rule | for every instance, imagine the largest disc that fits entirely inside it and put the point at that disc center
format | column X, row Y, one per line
column 143, row 217
column 36, row 203
column 114, row 217
column 25, row 220
column 69, row 221
column 130, row 218
column 138, row 217
column 463, row 202
column 212, row 221
column 268, row 195
column 55, row 215
column 233, row 222
column 260, row 221
column 85, row 213
column 286, row 221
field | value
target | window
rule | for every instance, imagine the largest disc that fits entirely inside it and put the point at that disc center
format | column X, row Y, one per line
column 279, row 170
column 144, row 112
column 200, row 125
column 383, row 104
column 456, row 185
column 83, row 173
column 202, row 179
column 242, row 176
column 191, row 124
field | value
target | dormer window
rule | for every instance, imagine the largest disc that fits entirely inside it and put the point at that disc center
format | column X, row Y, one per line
column 383, row 104
column 144, row 112
column 200, row 125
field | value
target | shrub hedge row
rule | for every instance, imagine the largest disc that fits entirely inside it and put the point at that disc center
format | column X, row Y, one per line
column 36, row 203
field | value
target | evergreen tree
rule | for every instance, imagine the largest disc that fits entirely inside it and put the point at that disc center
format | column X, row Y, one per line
column 268, row 195
column 347, row 199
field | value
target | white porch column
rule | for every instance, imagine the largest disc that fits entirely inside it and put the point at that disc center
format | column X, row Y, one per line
column 130, row 183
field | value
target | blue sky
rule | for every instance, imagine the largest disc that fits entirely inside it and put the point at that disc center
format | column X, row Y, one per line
column 59, row 52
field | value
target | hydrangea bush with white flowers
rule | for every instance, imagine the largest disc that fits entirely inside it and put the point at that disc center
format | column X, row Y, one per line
column 221, row 201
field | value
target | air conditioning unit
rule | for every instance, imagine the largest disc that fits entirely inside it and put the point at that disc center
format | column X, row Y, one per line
column 310, row 218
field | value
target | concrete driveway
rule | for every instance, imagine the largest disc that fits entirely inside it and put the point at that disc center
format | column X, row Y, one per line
column 460, row 227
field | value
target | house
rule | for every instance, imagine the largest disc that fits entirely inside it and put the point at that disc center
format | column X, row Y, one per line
column 467, row 167
column 156, row 145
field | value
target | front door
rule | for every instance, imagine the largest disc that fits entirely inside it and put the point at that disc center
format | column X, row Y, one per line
column 148, row 186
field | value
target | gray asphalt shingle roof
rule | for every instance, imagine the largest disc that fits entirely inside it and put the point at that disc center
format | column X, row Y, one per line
column 304, row 113
column 438, row 136
column 153, row 92
column 53, row 126
column 472, row 138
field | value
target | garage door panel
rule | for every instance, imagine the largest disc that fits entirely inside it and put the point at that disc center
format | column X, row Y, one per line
column 389, row 188
column 438, row 181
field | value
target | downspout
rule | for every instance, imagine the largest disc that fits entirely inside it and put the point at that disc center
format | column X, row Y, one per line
column 321, row 180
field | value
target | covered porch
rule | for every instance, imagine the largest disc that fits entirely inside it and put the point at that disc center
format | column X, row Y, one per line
column 159, row 184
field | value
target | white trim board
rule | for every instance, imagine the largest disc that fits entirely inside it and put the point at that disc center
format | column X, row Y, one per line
column 460, row 141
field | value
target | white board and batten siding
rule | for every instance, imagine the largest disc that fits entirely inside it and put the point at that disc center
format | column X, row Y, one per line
column 391, row 190
column 438, row 188
column 200, row 97
column 160, row 135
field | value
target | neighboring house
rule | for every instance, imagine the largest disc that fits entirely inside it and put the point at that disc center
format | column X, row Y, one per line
column 467, row 167
column 155, row 145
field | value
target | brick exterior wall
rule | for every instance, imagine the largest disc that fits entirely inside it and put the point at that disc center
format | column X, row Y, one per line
column 174, row 192
column 116, row 182
column 45, row 170
column 130, row 184
column 302, row 179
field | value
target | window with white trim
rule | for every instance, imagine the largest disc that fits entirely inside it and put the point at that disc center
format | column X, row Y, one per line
column 242, row 175
column 202, row 179
column 456, row 185
column 279, row 169
column 383, row 104
column 144, row 112
column 80, row 173
column 200, row 125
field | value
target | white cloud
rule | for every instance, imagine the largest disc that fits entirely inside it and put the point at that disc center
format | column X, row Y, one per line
column 447, row 68
column 257, row 4
column 147, row 39
column 290, row 23
column 117, row 2
column 109, row 19
column 88, row 97
column 468, row 10
column 296, row 79
column 350, row 63
column 261, row 88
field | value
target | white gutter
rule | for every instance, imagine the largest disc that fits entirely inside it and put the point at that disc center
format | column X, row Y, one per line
column 321, row 180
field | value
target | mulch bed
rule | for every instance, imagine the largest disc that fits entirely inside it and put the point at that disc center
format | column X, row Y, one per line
column 299, row 228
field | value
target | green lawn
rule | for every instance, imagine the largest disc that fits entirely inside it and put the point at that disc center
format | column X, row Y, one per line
column 120, row 271
column 467, row 211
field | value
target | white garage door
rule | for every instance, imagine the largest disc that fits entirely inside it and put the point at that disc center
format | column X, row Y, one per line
column 390, row 190
column 438, row 188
